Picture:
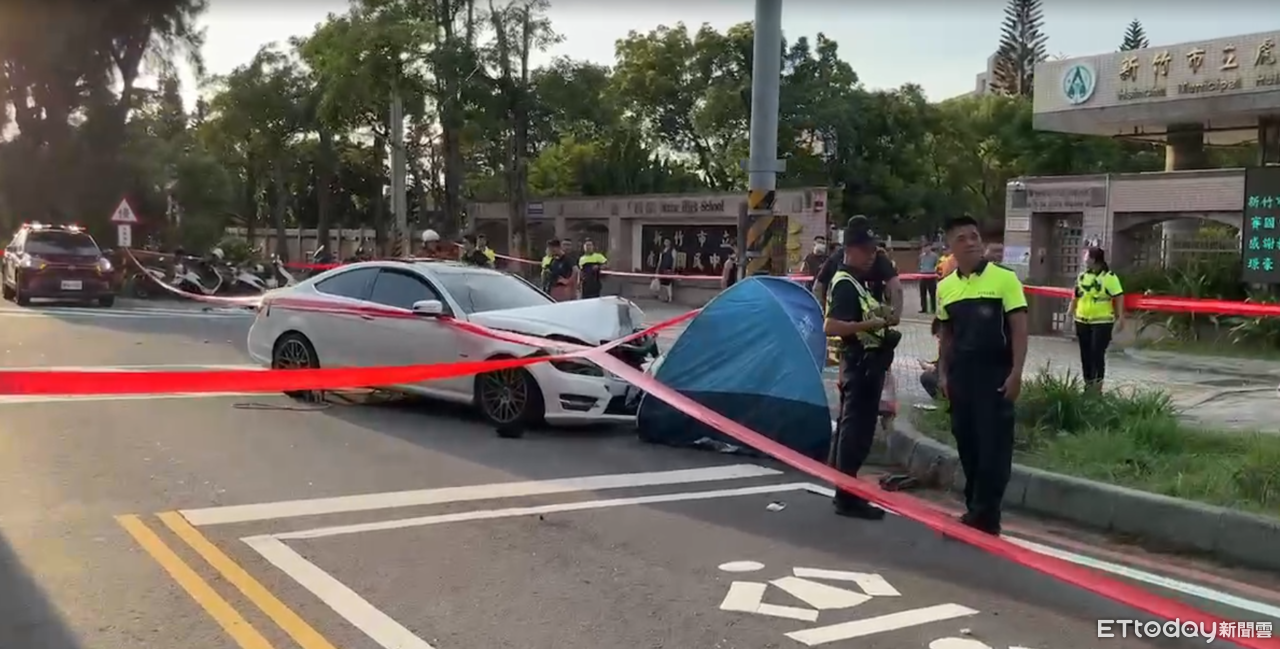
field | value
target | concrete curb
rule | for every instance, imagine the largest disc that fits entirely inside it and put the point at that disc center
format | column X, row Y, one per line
column 1243, row 538
column 1243, row 368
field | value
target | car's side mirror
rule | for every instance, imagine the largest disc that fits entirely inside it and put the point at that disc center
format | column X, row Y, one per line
column 428, row 308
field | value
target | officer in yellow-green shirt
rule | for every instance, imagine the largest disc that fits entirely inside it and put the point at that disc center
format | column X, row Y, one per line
column 591, row 268
column 862, row 339
column 1098, row 310
column 482, row 244
column 982, row 339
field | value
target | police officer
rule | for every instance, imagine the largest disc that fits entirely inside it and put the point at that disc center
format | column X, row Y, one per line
column 471, row 254
column 590, row 268
column 863, row 342
column 983, row 346
column 1098, row 307
column 482, row 244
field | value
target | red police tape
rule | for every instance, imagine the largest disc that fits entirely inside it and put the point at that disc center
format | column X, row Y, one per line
column 31, row 382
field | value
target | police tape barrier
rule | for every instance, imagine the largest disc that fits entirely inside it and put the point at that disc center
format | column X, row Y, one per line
column 119, row 382
column 44, row 382
column 1132, row 301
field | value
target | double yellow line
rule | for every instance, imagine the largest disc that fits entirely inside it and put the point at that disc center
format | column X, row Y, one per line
column 231, row 621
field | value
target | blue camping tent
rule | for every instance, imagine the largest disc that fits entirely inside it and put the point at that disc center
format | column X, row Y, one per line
column 754, row 354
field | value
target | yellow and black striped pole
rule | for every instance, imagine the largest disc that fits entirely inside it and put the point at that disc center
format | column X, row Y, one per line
column 762, row 239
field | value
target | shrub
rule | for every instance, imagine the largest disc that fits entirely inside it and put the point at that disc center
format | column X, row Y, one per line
column 1135, row 438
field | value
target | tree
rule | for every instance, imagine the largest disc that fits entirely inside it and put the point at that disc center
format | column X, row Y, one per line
column 1135, row 37
column 263, row 106
column 1022, row 46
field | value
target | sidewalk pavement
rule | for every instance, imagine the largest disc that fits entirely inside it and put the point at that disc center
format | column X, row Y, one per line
column 1203, row 387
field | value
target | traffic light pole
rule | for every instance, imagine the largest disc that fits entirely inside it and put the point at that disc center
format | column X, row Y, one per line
column 761, row 239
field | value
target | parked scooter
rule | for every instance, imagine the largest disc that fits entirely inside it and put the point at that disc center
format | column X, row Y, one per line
column 142, row 284
column 243, row 280
column 197, row 276
column 320, row 257
column 279, row 276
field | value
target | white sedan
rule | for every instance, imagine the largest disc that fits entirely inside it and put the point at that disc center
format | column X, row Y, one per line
column 332, row 320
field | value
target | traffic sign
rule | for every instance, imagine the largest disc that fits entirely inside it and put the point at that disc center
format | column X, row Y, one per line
column 124, row 214
column 124, row 235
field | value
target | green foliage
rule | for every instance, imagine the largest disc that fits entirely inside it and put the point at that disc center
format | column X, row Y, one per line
column 299, row 134
column 1022, row 45
column 1135, row 37
column 1135, row 438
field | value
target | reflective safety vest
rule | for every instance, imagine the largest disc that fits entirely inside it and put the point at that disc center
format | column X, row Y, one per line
column 490, row 254
column 1094, row 293
column 869, row 339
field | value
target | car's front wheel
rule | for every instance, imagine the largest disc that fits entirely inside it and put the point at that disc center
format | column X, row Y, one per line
column 293, row 351
column 509, row 399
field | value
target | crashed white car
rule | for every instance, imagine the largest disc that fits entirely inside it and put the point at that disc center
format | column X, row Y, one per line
column 357, row 316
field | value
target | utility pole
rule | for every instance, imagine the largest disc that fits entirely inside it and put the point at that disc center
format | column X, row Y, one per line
column 761, row 236
column 401, row 247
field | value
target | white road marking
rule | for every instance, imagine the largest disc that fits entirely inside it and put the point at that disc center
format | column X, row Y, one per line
column 958, row 643
column 394, row 499
column 870, row 583
column 1195, row 590
column 345, row 602
column 748, row 596
column 490, row 514
column 820, row 596
column 879, row 624
column 742, row 566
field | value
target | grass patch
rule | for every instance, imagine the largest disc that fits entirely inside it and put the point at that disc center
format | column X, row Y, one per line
column 1220, row 348
column 1134, row 438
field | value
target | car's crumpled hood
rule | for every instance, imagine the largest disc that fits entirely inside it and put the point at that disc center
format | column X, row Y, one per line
column 593, row 321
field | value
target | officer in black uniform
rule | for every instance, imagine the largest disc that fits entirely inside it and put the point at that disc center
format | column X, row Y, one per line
column 982, row 316
column 863, row 341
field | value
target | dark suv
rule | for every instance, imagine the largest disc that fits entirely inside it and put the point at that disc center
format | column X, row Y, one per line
column 60, row 262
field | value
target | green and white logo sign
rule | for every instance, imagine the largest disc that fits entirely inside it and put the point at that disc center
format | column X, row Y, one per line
column 1078, row 83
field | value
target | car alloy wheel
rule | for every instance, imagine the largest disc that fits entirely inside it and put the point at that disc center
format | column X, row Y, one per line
column 504, row 396
column 292, row 355
column 294, row 352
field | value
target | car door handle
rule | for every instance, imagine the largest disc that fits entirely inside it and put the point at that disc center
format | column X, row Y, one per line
column 366, row 317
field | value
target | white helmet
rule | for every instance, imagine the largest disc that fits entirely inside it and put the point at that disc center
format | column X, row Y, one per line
column 217, row 252
column 430, row 235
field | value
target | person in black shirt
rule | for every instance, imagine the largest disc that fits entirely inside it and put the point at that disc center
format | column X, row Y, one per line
column 471, row 253
column 666, row 268
column 729, row 271
column 814, row 261
column 560, row 273
column 881, row 278
column 864, row 344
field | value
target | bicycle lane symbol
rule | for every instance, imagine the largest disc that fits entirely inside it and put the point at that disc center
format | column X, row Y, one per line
column 749, row 596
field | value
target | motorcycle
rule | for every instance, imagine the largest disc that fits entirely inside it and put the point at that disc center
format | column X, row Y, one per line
column 139, row 283
column 279, row 276
column 242, row 280
column 192, row 275
column 320, row 257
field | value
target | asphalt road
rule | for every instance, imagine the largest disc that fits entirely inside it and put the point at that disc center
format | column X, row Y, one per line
column 408, row 525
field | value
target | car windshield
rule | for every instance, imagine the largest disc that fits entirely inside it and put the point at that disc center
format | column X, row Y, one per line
column 58, row 242
column 480, row 292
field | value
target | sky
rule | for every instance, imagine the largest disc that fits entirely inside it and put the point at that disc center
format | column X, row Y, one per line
column 939, row 44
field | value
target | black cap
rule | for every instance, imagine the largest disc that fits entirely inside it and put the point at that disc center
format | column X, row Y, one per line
column 859, row 233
